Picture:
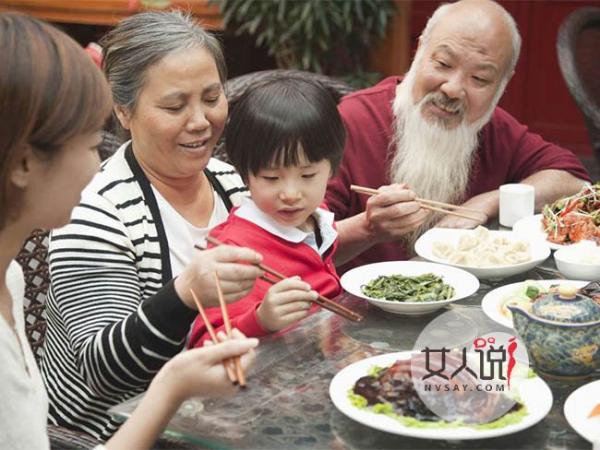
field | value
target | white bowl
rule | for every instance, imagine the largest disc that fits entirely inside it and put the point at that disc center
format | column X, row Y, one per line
column 539, row 251
column 463, row 283
column 570, row 262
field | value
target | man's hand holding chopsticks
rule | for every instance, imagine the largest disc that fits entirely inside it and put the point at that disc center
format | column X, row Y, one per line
column 393, row 212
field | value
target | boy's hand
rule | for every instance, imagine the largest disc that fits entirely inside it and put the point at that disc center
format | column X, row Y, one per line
column 285, row 303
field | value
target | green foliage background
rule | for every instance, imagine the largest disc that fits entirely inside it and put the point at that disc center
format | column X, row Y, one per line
column 332, row 37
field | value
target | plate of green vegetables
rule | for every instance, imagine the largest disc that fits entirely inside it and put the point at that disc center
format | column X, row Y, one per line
column 409, row 287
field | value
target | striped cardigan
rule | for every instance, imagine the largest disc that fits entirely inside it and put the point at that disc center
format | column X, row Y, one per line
column 114, row 317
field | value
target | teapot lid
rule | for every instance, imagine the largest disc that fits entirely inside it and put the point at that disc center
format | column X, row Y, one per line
column 567, row 305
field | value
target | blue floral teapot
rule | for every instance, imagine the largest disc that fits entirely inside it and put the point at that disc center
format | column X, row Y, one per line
column 562, row 331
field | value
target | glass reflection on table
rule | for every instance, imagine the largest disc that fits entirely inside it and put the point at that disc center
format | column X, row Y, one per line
column 287, row 402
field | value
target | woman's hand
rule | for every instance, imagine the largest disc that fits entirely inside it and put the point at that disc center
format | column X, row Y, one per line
column 196, row 372
column 236, row 270
column 394, row 212
column 285, row 303
column 200, row 371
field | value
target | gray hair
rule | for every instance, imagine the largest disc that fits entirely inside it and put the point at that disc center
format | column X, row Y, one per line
column 142, row 40
column 443, row 9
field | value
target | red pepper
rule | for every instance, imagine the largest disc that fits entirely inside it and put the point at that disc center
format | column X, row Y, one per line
column 570, row 207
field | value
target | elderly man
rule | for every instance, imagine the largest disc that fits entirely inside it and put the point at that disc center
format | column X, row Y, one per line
column 438, row 134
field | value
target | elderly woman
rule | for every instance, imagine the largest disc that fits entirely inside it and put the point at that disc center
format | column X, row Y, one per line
column 48, row 153
column 116, row 314
column 119, row 305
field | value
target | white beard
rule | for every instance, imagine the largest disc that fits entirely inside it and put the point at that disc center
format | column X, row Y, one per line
column 434, row 161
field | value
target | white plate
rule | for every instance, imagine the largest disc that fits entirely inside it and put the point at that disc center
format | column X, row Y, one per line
column 539, row 251
column 534, row 392
column 492, row 302
column 532, row 226
column 463, row 283
column 578, row 407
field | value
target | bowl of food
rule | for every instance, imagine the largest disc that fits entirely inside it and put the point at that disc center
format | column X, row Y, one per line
column 379, row 392
column 566, row 221
column 482, row 252
column 579, row 261
column 409, row 287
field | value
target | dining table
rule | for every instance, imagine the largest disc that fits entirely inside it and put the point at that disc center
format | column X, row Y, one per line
column 287, row 405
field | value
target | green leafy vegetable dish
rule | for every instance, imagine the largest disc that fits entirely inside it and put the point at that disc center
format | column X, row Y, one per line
column 427, row 287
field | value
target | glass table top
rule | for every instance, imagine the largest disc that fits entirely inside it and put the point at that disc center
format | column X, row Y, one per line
column 287, row 404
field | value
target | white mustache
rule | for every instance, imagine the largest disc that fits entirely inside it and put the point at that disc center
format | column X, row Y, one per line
column 443, row 101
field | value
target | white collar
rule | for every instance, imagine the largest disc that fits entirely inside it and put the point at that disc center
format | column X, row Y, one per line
column 249, row 211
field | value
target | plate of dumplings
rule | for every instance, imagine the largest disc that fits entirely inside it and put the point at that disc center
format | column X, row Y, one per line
column 487, row 254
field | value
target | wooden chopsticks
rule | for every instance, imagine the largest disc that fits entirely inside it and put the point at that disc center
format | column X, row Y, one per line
column 431, row 205
column 324, row 302
column 239, row 371
column 211, row 331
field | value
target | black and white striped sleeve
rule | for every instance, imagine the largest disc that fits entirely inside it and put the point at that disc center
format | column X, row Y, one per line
column 120, row 322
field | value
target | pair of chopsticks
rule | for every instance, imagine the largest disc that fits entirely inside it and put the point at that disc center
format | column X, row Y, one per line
column 235, row 373
column 431, row 205
column 324, row 302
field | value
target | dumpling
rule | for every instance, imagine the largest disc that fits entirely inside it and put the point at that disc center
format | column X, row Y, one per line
column 442, row 250
column 512, row 257
column 467, row 242
column 501, row 241
column 491, row 259
column 519, row 246
column 461, row 258
column 479, row 249
column 481, row 233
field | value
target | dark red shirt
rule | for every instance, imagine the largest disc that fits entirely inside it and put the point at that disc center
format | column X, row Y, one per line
column 508, row 152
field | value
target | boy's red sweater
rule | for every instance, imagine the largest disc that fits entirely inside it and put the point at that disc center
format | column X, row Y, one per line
column 286, row 257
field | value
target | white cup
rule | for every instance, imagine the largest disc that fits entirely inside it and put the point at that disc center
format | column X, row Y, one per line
column 516, row 201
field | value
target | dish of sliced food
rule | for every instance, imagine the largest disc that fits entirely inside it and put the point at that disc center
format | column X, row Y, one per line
column 574, row 218
column 378, row 392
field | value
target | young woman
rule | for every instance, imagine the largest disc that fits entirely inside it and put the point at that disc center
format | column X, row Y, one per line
column 53, row 104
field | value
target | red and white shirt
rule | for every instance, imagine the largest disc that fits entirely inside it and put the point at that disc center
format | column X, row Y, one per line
column 288, row 250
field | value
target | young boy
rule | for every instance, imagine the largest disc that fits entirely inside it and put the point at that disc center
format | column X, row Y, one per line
column 285, row 138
